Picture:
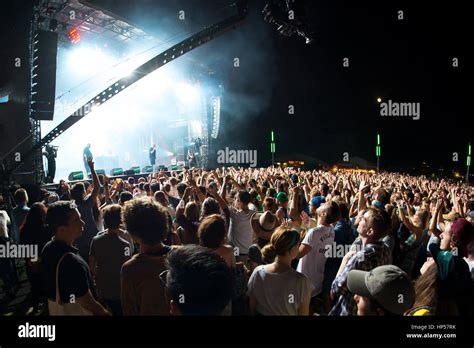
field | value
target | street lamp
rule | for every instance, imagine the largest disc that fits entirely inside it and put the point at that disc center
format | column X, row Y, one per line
column 272, row 147
column 468, row 162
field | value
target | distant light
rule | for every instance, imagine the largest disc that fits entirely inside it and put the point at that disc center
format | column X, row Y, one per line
column 379, row 100
column 74, row 36
column 4, row 99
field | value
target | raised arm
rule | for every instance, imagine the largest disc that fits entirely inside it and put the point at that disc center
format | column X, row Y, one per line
column 416, row 231
column 95, row 180
column 106, row 192
column 293, row 211
column 434, row 220
column 182, row 204
column 362, row 205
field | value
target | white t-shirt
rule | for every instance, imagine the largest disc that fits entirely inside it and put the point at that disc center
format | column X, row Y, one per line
column 240, row 229
column 4, row 221
column 313, row 263
column 279, row 293
column 253, row 207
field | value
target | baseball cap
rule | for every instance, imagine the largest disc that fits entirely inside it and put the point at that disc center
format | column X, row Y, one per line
column 463, row 231
column 317, row 201
column 282, row 197
column 388, row 285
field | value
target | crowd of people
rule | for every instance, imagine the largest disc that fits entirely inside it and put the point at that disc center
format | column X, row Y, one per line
column 246, row 241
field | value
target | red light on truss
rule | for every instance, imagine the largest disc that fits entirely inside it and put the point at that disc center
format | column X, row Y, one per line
column 74, row 35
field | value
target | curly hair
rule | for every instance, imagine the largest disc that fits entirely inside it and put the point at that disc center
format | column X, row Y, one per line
column 146, row 219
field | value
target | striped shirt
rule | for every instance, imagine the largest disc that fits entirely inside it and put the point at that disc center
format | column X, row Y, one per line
column 373, row 255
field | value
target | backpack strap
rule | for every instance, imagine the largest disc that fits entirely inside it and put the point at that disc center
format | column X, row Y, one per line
column 58, row 297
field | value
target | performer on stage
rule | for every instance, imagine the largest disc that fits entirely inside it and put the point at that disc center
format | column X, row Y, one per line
column 191, row 158
column 51, row 153
column 85, row 155
column 152, row 154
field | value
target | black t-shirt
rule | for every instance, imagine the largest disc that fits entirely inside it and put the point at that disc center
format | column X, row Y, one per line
column 173, row 201
column 74, row 274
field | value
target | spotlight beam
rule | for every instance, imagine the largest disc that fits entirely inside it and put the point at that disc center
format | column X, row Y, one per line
column 145, row 69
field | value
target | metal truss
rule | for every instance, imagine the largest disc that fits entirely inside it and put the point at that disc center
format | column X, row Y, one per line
column 145, row 69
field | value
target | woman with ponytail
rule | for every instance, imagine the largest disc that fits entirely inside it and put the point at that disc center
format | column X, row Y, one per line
column 276, row 288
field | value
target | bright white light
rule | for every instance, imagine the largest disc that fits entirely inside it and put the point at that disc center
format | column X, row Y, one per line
column 124, row 71
column 187, row 93
column 88, row 60
column 126, row 67
column 196, row 130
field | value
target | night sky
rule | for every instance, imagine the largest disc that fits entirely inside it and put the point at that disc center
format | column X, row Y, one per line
column 336, row 110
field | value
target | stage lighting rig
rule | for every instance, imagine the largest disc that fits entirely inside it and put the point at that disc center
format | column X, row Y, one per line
column 74, row 35
column 290, row 18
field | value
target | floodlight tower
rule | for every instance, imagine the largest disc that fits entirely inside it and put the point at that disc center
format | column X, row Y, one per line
column 377, row 152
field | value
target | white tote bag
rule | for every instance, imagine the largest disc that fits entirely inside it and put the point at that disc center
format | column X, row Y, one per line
column 58, row 308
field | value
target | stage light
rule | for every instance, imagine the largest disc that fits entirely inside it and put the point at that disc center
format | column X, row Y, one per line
column 186, row 92
column 88, row 60
column 74, row 36
column 216, row 114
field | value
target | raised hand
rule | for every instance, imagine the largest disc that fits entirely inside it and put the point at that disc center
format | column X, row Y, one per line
column 90, row 162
